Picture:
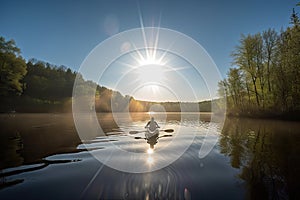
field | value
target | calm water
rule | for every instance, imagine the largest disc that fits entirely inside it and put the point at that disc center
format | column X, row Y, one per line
column 41, row 157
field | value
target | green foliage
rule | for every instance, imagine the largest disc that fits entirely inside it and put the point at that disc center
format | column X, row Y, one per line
column 267, row 76
column 48, row 82
column 9, row 47
column 12, row 69
column 294, row 18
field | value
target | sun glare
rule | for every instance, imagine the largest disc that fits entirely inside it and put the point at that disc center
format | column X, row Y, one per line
column 150, row 67
column 151, row 73
column 150, row 160
column 150, row 113
column 150, row 151
column 149, row 61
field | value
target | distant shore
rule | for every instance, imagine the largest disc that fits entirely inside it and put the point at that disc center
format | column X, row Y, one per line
column 287, row 116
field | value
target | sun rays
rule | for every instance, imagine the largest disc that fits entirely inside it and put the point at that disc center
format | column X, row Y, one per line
column 149, row 64
column 149, row 67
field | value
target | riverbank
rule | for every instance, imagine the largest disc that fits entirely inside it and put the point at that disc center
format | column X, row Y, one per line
column 276, row 115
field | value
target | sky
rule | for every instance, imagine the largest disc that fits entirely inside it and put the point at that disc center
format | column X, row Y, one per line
column 65, row 32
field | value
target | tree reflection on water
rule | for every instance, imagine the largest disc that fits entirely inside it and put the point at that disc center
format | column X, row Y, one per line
column 267, row 152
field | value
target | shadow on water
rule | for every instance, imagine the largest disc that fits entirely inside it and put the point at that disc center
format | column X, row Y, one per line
column 268, row 154
column 27, row 168
column 27, row 139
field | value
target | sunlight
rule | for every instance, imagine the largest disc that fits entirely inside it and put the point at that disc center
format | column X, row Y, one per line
column 150, row 160
column 150, row 151
column 149, row 61
column 151, row 113
column 154, row 88
column 151, row 73
column 153, row 92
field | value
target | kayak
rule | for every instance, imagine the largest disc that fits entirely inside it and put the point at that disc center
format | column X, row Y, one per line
column 149, row 134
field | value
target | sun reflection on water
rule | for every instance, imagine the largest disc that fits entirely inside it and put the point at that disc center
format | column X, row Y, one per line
column 151, row 113
column 150, row 160
column 150, row 151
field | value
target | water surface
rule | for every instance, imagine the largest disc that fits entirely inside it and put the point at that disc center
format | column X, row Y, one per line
column 42, row 157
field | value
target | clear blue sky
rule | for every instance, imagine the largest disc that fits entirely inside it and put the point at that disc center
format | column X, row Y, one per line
column 64, row 32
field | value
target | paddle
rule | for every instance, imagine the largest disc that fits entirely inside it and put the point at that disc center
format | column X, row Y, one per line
column 165, row 136
column 166, row 130
column 139, row 138
column 158, row 137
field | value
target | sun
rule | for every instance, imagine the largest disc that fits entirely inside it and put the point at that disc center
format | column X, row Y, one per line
column 153, row 73
column 149, row 60
column 149, row 68
column 150, row 64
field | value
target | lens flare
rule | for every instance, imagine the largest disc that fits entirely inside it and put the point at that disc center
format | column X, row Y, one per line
column 151, row 47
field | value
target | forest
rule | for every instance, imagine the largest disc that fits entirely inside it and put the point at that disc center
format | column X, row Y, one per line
column 37, row 86
column 265, row 78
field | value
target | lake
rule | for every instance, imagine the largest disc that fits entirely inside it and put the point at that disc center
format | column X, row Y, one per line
column 43, row 157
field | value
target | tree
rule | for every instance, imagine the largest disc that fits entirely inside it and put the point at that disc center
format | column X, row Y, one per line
column 48, row 82
column 12, row 68
column 289, row 65
column 248, row 57
column 268, row 71
column 235, row 86
column 270, row 39
column 294, row 18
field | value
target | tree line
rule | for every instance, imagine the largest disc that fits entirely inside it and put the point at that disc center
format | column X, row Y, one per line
column 33, row 86
column 265, row 79
column 37, row 86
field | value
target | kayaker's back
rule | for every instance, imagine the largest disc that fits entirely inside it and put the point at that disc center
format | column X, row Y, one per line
column 152, row 126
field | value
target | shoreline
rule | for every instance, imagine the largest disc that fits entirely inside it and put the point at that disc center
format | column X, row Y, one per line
column 287, row 116
column 283, row 116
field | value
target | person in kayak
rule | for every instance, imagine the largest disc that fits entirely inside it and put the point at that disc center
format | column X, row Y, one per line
column 152, row 125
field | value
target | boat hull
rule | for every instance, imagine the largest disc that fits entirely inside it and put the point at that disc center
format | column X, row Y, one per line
column 149, row 134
